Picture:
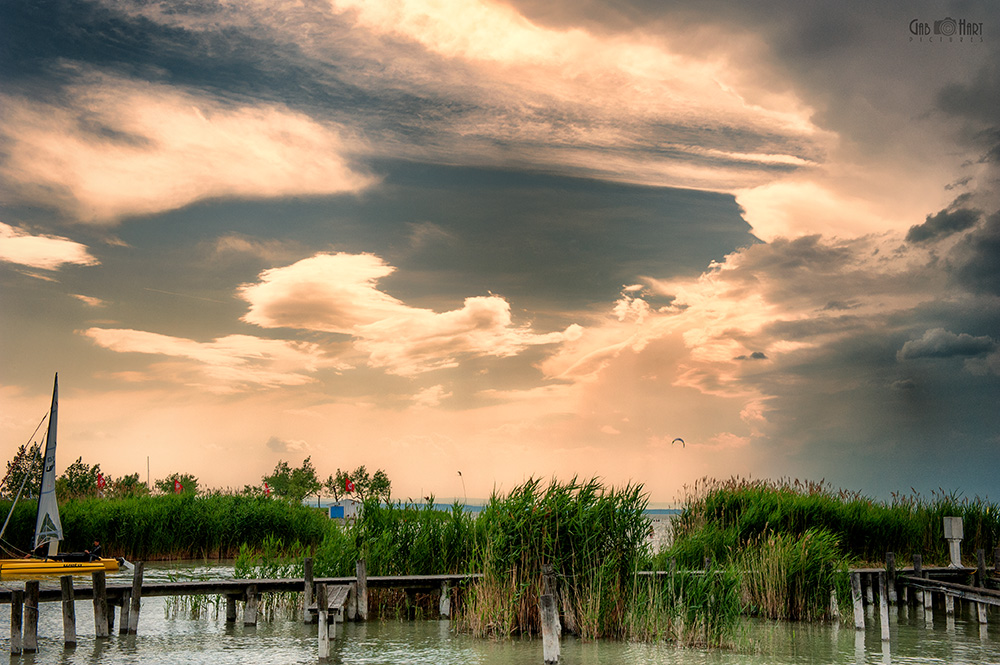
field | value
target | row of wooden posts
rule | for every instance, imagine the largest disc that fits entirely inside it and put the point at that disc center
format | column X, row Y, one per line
column 328, row 602
column 894, row 585
column 24, row 611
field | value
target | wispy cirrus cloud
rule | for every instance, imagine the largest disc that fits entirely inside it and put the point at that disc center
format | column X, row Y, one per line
column 120, row 147
column 337, row 293
column 46, row 252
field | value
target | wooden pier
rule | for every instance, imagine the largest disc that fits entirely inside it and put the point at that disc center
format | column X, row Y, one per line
column 328, row 601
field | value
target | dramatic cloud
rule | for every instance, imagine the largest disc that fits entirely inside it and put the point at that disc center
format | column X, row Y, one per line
column 944, row 224
column 119, row 147
column 337, row 293
column 45, row 252
column 229, row 364
column 976, row 259
column 941, row 343
column 473, row 82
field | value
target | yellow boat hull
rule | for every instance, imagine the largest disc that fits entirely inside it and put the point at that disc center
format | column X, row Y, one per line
column 38, row 568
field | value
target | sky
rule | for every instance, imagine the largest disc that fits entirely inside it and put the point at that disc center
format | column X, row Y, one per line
column 473, row 242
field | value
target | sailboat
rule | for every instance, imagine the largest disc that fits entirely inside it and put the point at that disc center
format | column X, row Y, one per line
column 45, row 559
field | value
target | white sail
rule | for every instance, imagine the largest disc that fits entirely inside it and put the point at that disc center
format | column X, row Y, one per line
column 47, row 524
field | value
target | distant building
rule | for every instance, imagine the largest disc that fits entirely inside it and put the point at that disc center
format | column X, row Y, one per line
column 345, row 509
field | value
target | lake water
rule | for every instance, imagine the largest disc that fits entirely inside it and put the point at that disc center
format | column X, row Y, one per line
column 173, row 637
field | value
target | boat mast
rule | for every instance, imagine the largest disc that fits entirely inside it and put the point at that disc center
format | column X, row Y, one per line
column 48, row 528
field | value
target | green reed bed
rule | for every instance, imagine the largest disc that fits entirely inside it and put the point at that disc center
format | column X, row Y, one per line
column 594, row 538
column 399, row 539
column 720, row 517
column 174, row 526
column 793, row 542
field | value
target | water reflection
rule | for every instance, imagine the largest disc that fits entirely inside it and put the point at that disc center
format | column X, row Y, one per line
column 916, row 638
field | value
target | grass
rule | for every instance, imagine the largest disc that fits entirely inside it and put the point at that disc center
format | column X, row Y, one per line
column 175, row 526
column 721, row 517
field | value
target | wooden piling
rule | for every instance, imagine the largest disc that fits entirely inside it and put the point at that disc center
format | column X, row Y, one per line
column 550, row 630
column 883, row 605
column 16, row 605
column 30, row 639
column 100, row 604
column 250, row 606
column 859, row 609
column 135, row 599
column 231, row 609
column 323, row 629
column 444, row 604
column 890, row 576
column 126, row 606
column 68, row 610
column 869, row 589
column 949, row 605
column 307, row 591
column 981, row 582
column 352, row 601
column 362, row 590
column 918, row 571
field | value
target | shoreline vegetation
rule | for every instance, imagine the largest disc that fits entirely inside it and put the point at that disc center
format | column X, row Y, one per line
column 769, row 549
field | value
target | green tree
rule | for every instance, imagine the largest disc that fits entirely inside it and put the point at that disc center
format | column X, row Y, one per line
column 79, row 480
column 364, row 486
column 189, row 483
column 127, row 486
column 24, row 464
column 294, row 484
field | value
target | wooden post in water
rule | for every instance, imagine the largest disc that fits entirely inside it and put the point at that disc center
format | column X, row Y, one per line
column 135, row 599
column 16, row 605
column 352, row 601
column 68, row 610
column 307, row 591
column 550, row 628
column 890, row 576
column 981, row 581
column 126, row 605
column 869, row 589
column 949, row 604
column 362, row 591
column 883, row 605
column 100, row 604
column 444, row 604
column 30, row 642
column 231, row 608
column 859, row 609
column 323, row 629
column 250, row 606
column 918, row 571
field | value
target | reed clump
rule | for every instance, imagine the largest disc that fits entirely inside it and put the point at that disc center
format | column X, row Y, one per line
column 174, row 526
column 399, row 539
column 722, row 516
column 594, row 539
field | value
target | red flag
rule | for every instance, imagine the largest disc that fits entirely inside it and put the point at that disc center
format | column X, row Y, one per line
column 100, row 481
column 348, row 485
column 267, row 489
column 178, row 488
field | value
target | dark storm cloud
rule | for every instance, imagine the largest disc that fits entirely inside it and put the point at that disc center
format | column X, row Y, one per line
column 975, row 261
column 941, row 343
column 943, row 224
